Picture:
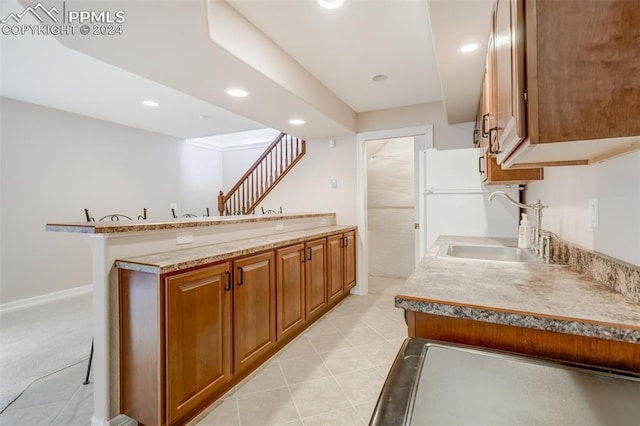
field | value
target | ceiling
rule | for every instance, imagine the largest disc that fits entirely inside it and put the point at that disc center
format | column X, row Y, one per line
column 295, row 59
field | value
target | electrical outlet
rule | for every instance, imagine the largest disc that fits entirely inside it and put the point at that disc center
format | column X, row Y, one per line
column 279, row 226
column 334, row 183
column 184, row 238
column 323, row 221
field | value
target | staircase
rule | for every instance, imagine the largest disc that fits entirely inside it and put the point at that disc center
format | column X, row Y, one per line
column 269, row 169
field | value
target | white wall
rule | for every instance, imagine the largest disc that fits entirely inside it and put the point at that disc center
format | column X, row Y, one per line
column 54, row 164
column 445, row 136
column 201, row 179
column 236, row 162
column 616, row 184
column 307, row 187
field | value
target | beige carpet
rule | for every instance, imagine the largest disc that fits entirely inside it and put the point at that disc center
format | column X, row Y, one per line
column 40, row 340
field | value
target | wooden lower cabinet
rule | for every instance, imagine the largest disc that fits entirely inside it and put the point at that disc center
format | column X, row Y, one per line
column 349, row 260
column 609, row 354
column 334, row 266
column 187, row 337
column 254, row 308
column 341, row 264
column 290, row 289
column 199, row 337
column 176, row 342
column 316, row 278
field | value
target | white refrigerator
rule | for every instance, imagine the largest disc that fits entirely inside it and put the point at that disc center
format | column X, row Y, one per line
column 456, row 200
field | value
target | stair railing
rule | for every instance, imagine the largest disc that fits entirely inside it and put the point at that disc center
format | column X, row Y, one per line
column 265, row 173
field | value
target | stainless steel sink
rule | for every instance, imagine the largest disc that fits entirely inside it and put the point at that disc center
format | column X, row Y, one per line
column 494, row 253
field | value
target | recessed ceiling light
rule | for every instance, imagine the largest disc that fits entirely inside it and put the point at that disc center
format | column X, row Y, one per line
column 330, row 4
column 296, row 121
column 150, row 103
column 203, row 117
column 469, row 47
column 379, row 78
column 237, row 93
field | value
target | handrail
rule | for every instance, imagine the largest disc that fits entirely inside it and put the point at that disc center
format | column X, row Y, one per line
column 276, row 161
column 266, row 152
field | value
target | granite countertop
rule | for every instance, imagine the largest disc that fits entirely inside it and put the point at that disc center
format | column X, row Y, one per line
column 545, row 297
column 192, row 222
column 160, row 263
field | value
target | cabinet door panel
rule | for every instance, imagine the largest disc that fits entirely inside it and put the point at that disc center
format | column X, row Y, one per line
column 349, row 261
column 290, row 289
column 315, row 277
column 254, row 308
column 334, row 266
column 509, row 60
column 199, row 331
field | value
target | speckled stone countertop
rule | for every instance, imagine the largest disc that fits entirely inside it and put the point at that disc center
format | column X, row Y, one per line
column 141, row 226
column 160, row 263
column 545, row 297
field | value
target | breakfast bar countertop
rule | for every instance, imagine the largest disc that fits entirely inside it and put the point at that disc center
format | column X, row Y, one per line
column 116, row 227
column 170, row 261
column 539, row 296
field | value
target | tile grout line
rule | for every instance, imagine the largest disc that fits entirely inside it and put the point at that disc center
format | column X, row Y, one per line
column 289, row 390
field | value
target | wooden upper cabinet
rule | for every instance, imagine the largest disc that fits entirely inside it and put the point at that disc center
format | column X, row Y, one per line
column 508, row 51
column 290, row 289
column 582, row 81
column 500, row 114
column 254, row 308
column 198, row 336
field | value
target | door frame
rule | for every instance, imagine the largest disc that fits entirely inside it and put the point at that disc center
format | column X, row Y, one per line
column 423, row 140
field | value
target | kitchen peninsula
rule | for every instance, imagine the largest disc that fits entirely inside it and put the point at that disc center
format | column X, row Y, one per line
column 126, row 254
column 541, row 310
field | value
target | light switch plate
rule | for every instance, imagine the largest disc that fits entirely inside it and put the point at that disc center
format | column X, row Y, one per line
column 594, row 213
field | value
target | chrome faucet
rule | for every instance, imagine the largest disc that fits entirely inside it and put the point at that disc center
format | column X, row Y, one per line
column 537, row 208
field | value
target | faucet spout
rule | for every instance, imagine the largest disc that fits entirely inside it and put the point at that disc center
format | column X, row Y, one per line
column 536, row 207
column 511, row 200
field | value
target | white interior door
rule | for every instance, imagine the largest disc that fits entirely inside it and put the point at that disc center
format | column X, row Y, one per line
column 391, row 207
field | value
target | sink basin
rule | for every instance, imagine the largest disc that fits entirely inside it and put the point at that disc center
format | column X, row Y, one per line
column 495, row 253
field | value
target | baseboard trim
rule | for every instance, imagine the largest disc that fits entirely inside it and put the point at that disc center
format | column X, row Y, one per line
column 45, row 298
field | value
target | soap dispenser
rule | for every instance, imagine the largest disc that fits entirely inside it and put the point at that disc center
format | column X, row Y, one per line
column 524, row 232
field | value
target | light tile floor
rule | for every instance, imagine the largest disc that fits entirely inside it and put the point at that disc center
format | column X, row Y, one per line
column 330, row 375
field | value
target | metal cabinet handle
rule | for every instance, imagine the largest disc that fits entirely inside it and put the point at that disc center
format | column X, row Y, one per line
column 480, row 164
column 346, row 241
column 241, row 275
column 476, row 142
column 304, row 257
column 228, row 286
column 310, row 255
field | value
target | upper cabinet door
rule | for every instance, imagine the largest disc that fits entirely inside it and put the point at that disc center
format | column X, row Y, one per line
column 509, row 77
